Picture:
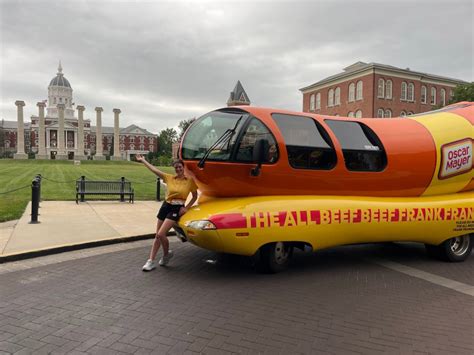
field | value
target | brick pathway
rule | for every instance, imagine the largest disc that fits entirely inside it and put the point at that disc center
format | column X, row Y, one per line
column 98, row 301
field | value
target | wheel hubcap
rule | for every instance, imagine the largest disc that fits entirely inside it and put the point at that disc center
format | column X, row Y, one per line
column 459, row 245
column 281, row 253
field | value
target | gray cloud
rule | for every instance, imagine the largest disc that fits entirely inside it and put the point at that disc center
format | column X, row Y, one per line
column 161, row 62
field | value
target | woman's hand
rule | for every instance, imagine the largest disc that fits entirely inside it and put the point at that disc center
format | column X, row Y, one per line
column 182, row 211
column 140, row 158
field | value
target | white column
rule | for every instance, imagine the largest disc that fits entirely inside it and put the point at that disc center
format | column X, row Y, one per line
column 80, row 134
column 61, row 136
column 117, row 155
column 41, row 132
column 99, row 155
column 48, row 139
column 20, row 132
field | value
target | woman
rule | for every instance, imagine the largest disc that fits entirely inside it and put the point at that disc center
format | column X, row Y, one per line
column 178, row 188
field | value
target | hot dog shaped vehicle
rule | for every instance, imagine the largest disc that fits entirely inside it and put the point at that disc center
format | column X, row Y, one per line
column 272, row 180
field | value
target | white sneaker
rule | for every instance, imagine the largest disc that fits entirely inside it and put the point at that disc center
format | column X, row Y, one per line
column 166, row 258
column 149, row 265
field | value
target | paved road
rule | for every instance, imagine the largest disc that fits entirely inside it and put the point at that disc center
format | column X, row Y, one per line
column 338, row 301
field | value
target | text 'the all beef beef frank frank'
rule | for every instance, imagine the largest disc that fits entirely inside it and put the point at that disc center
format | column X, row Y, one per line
column 179, row 186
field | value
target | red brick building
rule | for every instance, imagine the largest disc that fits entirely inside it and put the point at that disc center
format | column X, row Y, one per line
column 377, row 90
column 133, row 139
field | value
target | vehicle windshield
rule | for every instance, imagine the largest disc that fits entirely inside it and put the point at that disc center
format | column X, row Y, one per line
column 207, row 130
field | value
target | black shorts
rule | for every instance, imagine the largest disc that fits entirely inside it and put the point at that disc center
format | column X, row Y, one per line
column 169, row 211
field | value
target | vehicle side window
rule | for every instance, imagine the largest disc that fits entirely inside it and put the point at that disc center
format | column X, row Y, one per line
column 256, row 130
column 362, row 149
column 308, row 144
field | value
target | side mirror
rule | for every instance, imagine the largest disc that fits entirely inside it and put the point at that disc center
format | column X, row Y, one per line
column 260, row 153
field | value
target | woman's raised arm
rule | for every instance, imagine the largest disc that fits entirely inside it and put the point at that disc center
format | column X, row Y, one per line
column 140, row 158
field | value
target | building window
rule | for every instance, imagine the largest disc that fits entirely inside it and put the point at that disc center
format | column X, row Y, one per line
column 307, row 142
column 403, row 114
column 403, row 95
column 150, row 140
column 132, row 146
column 121, row 138
column 451, row 95
column 150, row 147
column 255, row 131
column 388, row 89
column 318, row 101
column 423, row 94
column 358, row 114
column 350, row 114
column 411, row 92
column 312, row 101
column 433, row 96
column 337, row 96
column 122, row 147
column 351, row 92
column 54, row 101
column 142, row 139
column 359, row 90
column 380, row 113
column 443, row 97
column 362, row 149
column 381, row 89
column 388, row 113
column 7, row 144
column 60, row 100
column 142, row 147
column 331, row 98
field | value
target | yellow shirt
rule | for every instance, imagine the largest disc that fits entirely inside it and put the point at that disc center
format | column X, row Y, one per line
column 178, row 189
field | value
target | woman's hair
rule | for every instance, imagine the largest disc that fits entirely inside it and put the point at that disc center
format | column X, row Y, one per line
column 177, row 161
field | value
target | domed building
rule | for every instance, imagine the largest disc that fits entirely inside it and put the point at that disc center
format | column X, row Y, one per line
column 132, row 139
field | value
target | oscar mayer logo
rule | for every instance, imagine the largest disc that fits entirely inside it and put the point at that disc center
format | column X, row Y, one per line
column 456, row 158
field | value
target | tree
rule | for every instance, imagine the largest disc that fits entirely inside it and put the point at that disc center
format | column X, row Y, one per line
column 166, row 138
column 463, row 92
column 183, row 126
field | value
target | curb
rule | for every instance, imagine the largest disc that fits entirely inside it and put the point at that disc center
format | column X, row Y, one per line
column 73, row 247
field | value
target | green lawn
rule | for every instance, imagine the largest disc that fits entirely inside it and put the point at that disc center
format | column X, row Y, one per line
column 59, row 180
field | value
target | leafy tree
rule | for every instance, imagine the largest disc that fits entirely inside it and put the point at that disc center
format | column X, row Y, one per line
column 463, row 92
column 166, row 138
column 183, row 126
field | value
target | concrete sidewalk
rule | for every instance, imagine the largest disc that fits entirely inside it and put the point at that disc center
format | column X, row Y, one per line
column 65, row 225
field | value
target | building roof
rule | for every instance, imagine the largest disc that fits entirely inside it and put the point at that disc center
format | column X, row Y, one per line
column 12, row 124
column 59, row 79
column 359, row 66
column 238, row 95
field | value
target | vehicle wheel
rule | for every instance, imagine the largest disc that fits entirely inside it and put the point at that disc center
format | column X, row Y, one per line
column 454, row 249
column 274, row 257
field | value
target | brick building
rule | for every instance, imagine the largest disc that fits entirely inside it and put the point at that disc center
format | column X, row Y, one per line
column 377, row 90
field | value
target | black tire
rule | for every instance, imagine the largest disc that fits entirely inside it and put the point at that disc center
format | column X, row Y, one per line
column 453, row 250
column 274, row 257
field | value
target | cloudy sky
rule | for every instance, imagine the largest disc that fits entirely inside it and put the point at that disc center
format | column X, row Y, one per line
column 164, row 61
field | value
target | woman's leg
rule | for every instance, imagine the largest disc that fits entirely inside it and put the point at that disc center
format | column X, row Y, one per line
column 163, row 231
column 156, row 242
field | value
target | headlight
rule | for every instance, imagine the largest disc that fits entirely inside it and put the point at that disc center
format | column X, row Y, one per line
column 202, row 224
